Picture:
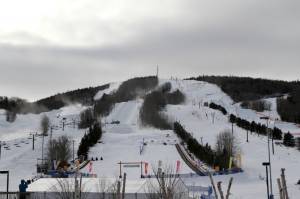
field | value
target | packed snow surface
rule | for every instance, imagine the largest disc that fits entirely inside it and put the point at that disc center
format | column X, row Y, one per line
column 123, row 142
column 17, row 154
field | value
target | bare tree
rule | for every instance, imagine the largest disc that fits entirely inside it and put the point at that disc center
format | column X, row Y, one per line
column 166, row 185
column 11, row 116
column 102, row 187
column 59, row 149
column 226, row 148
column 107, row 188
column 114, row 190
column 227, row 141
column 64, row 189
column 69, row 188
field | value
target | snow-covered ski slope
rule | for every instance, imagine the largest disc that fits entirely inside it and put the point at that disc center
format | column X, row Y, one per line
column 199, row 121
column 122, row 142
column 17, row 155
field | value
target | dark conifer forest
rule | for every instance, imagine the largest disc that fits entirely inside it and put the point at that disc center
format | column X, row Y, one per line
column 245, row 89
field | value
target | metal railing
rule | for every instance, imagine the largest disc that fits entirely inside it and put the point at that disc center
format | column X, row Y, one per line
column 56, row 195
column 14, row 195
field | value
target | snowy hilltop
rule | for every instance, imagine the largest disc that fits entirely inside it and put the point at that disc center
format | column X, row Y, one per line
column 138, row 121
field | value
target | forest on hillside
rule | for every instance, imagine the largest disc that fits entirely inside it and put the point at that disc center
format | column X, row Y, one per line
column 20, row 106
column 289, row 107
column 84, row 96
column 155, row 102
column 245, row 89
column 127, row 91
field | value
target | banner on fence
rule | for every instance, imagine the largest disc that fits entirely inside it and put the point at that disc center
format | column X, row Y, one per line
column 90, row 167
column 177, row 166
column 146, row 168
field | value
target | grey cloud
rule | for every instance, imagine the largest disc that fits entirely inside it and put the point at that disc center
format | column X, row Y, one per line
column 257, row 39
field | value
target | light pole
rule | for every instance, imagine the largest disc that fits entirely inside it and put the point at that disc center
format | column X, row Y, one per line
column 73, row 152
column 33, row 141
column 269, row 155
column 7, row 181
column 273, row 137
column 266, row 164
column 43, row 139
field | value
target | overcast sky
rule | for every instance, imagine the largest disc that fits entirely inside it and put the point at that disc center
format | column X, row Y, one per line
column 50, row 46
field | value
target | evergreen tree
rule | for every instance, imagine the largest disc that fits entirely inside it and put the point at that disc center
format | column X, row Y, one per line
column 298, row 143
column 87, row 118
column 277, row 133
column 90, row 139
column 218, row 107
column 289, row 140
column 232, row 118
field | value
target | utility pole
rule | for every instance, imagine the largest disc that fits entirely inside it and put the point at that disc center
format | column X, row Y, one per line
column 142, row 169
column 120, row 176
column 213, row 185
column 7, row 184
column 123, row 187
column 73, row 151
column 43, row 149
column 157, row 70
column 269, row 155
column 51, row 129
column 247, row 136
column 220, row 189
column 80, row 186
column 280, row 188
column 271, row 186
column 266, row 164
column 33, row 141
column 0, row 148
column 273, row 137
column 76, row 192
column 119, row 190
column 273, row 144
column 285, row 192
column 229, row 187
column 7, row 181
